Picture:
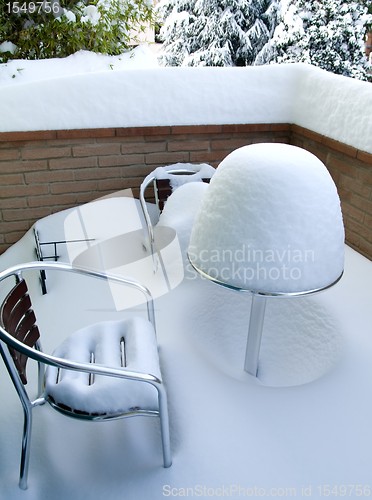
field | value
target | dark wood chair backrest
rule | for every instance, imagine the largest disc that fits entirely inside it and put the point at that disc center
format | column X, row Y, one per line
column 18, row 319
column 164, row 190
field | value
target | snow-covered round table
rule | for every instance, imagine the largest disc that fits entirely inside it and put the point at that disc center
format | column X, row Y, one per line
column 270, row 224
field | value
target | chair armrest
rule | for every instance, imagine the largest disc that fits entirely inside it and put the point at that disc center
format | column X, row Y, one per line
column 59, row 266
column 97, row 369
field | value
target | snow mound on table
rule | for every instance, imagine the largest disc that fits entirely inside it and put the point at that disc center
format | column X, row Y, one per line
column 271, row 221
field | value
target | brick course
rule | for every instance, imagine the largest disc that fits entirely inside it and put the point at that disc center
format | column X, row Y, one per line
column 351, row 170
column 48, row 171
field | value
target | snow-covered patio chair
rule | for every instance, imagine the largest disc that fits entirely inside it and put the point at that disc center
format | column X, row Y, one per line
column 166, row 180
column 105, row 371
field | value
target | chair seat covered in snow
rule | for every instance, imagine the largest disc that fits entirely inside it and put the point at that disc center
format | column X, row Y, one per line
column 129, row 343
column 104, row 371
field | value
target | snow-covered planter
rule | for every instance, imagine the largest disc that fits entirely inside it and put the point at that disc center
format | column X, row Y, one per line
column 270, row 221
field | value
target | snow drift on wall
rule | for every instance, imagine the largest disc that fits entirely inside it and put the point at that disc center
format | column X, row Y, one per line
column 94, row 91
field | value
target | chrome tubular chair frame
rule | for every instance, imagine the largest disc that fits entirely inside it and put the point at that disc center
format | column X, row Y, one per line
column 54, row 256
column 8, row 341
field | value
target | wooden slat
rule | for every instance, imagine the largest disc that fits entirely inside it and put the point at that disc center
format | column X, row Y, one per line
column 18, row 313
column 25, row 327
column 17, row 292
column 19, row 320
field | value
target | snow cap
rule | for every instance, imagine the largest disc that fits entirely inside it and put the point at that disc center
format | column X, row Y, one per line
column 270, row 221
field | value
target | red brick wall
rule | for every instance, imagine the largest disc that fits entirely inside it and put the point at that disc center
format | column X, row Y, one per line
column 351, row 170
column 45, row 172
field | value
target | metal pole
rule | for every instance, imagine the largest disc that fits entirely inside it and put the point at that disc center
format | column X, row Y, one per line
column 256, row 322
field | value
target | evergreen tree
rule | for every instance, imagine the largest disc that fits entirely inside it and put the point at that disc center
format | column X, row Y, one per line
column 213, row 32
column 325, row 33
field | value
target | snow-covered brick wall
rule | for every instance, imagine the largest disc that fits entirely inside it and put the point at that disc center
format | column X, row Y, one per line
column 151, row 97
column 337, row 107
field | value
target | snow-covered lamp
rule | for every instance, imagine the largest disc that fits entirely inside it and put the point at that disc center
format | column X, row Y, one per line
column 270, row 223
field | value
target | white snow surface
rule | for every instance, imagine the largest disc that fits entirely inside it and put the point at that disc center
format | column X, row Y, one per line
column 305, row 422
column 270, row 221
column 87, row 90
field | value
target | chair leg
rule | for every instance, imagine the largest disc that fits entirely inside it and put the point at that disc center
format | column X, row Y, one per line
column 164, row 426
column 26, row 441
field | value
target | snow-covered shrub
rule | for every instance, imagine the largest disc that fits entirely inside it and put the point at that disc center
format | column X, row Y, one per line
column 327, row 33
column 62, row 27
column 214, row 32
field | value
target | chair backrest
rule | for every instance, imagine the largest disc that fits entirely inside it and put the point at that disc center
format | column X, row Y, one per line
column 164, row 190
column 160, row 179
column 18, row 319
